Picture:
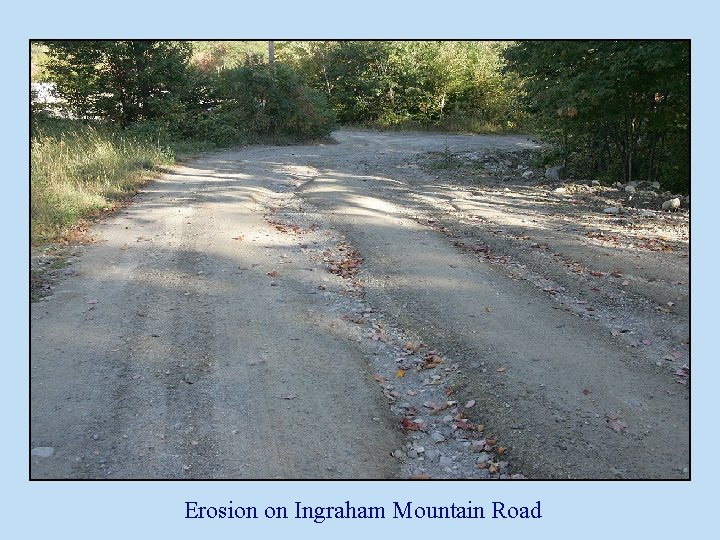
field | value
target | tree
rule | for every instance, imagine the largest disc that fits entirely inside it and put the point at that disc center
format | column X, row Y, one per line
column 121, row 81
column 620, row 106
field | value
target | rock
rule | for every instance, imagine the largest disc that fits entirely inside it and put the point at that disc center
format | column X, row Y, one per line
column 630, row 189
column 618, row 185
column 655, row 185
column 646, row 213
column 560, row 190
column 484, row 473
column 595, row 183
column 445, row 461
column 671, row 204
column 611, row 210
column 528, row 174
column 432, row 455
column 42, row 451
column 412, row 454
column 483, row 458
column 95, row 437
column 397, row 454
column 555, row 173
column 437, row 437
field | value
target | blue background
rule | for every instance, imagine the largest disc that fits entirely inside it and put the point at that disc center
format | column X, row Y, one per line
column 140, row 509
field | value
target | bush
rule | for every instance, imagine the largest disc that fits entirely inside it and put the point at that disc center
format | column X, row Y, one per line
column 259, row 102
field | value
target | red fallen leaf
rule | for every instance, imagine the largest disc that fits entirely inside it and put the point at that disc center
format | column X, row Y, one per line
column 409, row 425
column 273, row 273
column 379, row 378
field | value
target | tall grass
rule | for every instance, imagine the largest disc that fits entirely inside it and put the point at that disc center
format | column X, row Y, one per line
column 77, row 170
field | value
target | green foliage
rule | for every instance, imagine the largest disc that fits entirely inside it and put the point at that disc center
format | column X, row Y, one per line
column 38, row 62
column 260, row 102
column 410, row 83
column 121, row 81
column 614, row 108
column 226, row 95
column 215, row 56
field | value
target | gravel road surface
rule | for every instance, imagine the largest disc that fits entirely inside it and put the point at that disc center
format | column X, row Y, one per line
column 391, row 305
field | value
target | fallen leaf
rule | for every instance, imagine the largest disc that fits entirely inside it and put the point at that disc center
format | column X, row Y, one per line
column 400, row 373
column 273, row 274
column 585, row 391
column 409, row 425
column 239, row 237
column 379, row 378
column 470, row 404
column 501, row 369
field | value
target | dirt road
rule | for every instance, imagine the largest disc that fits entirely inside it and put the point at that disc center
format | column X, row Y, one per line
column 389, row 306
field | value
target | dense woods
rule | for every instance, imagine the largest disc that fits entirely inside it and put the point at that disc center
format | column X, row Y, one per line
column 612, row 110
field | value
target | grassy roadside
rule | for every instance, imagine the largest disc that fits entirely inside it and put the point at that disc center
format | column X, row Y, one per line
column 78, row 171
